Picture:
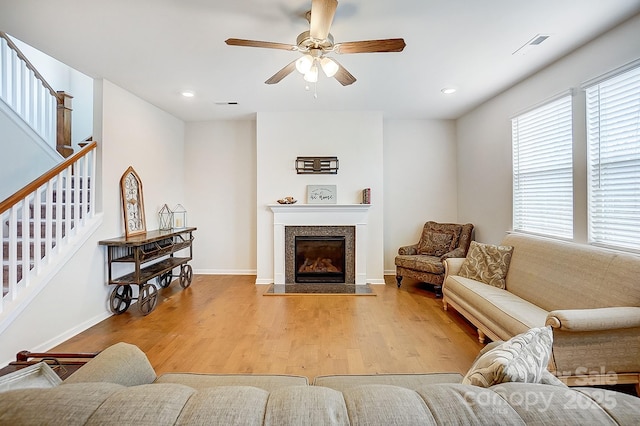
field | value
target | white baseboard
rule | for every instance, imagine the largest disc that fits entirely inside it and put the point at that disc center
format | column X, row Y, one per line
column 51, row 343
column 225, row 272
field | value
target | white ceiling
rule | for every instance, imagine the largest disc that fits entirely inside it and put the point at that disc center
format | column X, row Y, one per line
column 158, row 48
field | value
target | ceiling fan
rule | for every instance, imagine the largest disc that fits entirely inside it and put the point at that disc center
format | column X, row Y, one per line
column 317, row 43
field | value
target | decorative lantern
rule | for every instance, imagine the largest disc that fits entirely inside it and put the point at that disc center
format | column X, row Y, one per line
column 165, row 218
column 179, row 217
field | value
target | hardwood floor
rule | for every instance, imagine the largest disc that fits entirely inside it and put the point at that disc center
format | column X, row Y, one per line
column 224, row 324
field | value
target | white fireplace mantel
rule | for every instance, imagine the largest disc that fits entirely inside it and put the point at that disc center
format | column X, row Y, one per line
column 319, row 215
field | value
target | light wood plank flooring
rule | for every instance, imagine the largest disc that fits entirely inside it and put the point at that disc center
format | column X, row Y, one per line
column 224, row 324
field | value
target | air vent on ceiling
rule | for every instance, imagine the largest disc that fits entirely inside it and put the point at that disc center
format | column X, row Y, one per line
column 226, row 103
column 534, row 42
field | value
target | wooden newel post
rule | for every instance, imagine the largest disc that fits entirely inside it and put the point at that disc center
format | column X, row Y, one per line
column 63, row 137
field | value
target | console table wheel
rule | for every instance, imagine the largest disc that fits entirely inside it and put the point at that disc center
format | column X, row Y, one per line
column 120, row 299
column 148, row 298
column 165, row 279
column 186, row 275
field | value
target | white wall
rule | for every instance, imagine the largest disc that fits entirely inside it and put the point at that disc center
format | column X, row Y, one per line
column 484, row 134
column 130, row 132
column 354, row 137
column 30, row 156
column 419, row 180
column 220, row 195
column 63, row 78
column 419, row 169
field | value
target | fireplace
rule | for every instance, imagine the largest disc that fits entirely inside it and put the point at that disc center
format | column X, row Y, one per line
column 329, row 252
column 320, row 220
column 319, row 259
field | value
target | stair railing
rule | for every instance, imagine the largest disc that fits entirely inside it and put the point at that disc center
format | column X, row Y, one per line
column 40, row 219
column 27, row 93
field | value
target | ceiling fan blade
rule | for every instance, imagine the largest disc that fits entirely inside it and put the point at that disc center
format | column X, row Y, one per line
column 343, row 76
column 322, row 12
column 372, row 46
column 288, row 69
column 255, row 43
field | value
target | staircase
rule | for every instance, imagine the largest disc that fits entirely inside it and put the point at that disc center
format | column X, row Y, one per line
column 37, row 222
column 44, row 223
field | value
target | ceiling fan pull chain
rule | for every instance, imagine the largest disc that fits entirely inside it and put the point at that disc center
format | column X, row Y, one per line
column 315, row 90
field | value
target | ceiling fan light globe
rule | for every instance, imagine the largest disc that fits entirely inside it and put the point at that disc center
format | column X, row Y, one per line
column 312, row 75
column 304, row 63
column 329, row 67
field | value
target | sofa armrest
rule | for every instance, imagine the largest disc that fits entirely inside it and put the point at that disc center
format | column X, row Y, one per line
column 597, row 319
column 122, row 363
column 452, row 265
column 408, row 250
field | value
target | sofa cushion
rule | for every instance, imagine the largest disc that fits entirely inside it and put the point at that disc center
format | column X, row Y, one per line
column 305, row 405
column 145, row 404
column 487, row 263
column 439, row 238
column 504, row 313
column 386, row 405
column 435, row 243
column 225, row 405
column 523, row 358
column 71, row 404
column 550, row 273
column 133, row 367
column 409, row 381
column 552, row 405
column 423, row 263
column 449, row 403
column 268, row 382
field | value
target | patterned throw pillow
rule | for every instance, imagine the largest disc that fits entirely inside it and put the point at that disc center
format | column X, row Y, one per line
column 487, row 263
column 435, row 243
column 523, row 358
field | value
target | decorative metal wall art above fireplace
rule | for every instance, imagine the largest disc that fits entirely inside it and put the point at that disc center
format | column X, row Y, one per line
column 317, row 165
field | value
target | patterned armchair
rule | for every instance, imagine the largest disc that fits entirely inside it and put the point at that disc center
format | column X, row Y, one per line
column 424, row 260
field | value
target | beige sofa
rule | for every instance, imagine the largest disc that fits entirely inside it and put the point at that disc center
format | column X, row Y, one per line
column 590, row 296
column 120, row 387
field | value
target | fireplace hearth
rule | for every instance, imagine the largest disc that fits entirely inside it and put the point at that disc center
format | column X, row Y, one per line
column 319, row 259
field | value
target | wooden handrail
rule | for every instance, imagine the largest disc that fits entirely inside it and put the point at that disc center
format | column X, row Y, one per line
column 37, row 183
column 39, row 76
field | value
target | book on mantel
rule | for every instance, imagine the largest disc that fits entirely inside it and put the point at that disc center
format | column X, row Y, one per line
column 366, row 196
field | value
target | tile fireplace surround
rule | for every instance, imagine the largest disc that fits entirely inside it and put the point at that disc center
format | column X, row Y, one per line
column 317, row 215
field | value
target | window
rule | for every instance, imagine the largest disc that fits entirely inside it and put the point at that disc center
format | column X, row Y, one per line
column 543, row 171
column 613, row 134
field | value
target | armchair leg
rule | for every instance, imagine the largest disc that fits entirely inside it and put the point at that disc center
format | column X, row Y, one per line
column 399, row 280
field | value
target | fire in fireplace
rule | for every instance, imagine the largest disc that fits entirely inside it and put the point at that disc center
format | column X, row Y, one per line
column 319, row 259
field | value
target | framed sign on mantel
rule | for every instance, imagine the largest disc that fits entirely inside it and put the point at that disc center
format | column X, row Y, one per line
column 322, row 194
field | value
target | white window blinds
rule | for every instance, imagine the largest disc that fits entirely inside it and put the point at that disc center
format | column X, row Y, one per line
column 543, row 171
column 613, row 131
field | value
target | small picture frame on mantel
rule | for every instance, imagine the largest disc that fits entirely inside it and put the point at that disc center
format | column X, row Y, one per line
column 322, row 194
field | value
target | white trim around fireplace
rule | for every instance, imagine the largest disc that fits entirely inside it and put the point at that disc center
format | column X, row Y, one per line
column 320, row 215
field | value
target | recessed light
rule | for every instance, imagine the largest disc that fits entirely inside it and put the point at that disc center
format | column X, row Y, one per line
column 449, row 90
column 187, row 94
